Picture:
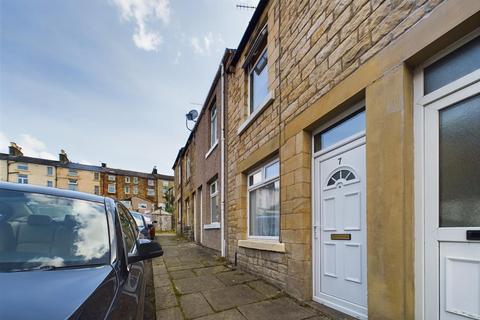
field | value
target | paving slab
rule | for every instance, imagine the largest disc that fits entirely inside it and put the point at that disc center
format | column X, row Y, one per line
column 184, row 267
column 165, row 297
column 159, row 270
column 233, row 296
column 170, row 314
column 264, row 288
column 200, row 283
column 235, row 277
column 194, row 305
column 278, row 309
column 210, row 270
column 182, row 274
column 232, row 314
column 160, row 280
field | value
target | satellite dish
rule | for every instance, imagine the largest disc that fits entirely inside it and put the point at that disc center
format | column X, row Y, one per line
column 192, row 115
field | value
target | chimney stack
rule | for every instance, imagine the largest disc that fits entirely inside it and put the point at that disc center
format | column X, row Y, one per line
column 15, row 150
column 104, row 165
column 62, row 156
column 154, row 171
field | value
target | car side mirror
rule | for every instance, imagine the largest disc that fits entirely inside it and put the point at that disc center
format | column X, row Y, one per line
column 146, row 249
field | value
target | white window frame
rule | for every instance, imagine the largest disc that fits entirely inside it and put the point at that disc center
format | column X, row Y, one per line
column 135, row 180
column 425, row 304
column 127, row 189
column 48, row 171
column 250, row 93
column 111, row 177
column 22, row 166
column 135, row 189
column 254, row 187
column 74, row 183
column 127, row 179
column 22, row 178
column 213, row 126
column 150, row 192
column 114, row 190
column 151, row 183
column 212, row 195
column 187, row 168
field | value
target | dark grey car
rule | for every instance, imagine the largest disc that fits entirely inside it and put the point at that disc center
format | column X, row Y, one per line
column 69, row 255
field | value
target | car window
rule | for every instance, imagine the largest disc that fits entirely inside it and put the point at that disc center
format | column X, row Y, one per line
column 128, row 226
column 45, row 231
column 138, row 219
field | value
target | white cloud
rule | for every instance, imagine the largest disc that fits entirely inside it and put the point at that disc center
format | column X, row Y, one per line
column 206, row 44
column 144, row 13
column 31, row 146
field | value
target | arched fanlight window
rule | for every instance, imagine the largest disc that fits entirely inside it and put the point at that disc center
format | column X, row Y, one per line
column 345, row 174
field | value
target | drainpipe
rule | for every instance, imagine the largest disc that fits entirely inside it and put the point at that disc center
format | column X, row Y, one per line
column 222, row 163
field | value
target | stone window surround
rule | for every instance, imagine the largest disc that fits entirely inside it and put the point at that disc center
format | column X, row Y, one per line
column 249, row 120
column 262, row 36
column 264, row 245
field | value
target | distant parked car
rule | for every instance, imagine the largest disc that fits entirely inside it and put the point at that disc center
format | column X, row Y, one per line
column 69, row 255
column 145, row 225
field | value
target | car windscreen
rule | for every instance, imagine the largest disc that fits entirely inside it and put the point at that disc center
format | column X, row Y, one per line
column 43, row 231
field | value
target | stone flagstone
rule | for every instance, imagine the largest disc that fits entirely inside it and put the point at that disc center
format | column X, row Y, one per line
column 279, row 309
column 229, row 297
column 201, row 283
column 194, row 305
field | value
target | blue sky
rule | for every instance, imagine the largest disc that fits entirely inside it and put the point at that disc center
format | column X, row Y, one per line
column 109, row 80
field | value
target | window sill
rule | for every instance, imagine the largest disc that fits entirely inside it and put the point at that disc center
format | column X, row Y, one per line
column 269, row 99
column 211, row 149
column 214, row 225
column 265, row 245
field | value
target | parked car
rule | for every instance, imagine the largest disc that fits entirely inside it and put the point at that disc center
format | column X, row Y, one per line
column 145, row 225
column 69, row 255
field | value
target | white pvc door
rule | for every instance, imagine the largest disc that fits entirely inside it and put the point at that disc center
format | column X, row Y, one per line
column 452, row 207
column 448, row 184
column 340, row 229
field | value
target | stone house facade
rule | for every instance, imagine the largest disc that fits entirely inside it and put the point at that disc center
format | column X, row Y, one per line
column 198, row 167
column 125, row 184
column 339, row 114
column 100, row 180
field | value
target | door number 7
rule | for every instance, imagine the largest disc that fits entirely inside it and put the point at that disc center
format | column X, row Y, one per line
column 340, row 160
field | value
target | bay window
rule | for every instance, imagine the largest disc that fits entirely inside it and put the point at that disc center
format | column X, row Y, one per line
column 264, row 201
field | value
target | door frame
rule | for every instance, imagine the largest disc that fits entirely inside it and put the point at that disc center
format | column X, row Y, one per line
column 340, row 147
column 425, row 115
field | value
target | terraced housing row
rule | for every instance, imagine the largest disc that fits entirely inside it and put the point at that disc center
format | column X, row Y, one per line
column 336, row 156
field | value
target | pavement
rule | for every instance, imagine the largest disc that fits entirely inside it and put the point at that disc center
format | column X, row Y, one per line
column 193, row 282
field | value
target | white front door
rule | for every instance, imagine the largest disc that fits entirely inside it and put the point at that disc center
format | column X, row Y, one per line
column 340, row 260
column 448, row 188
